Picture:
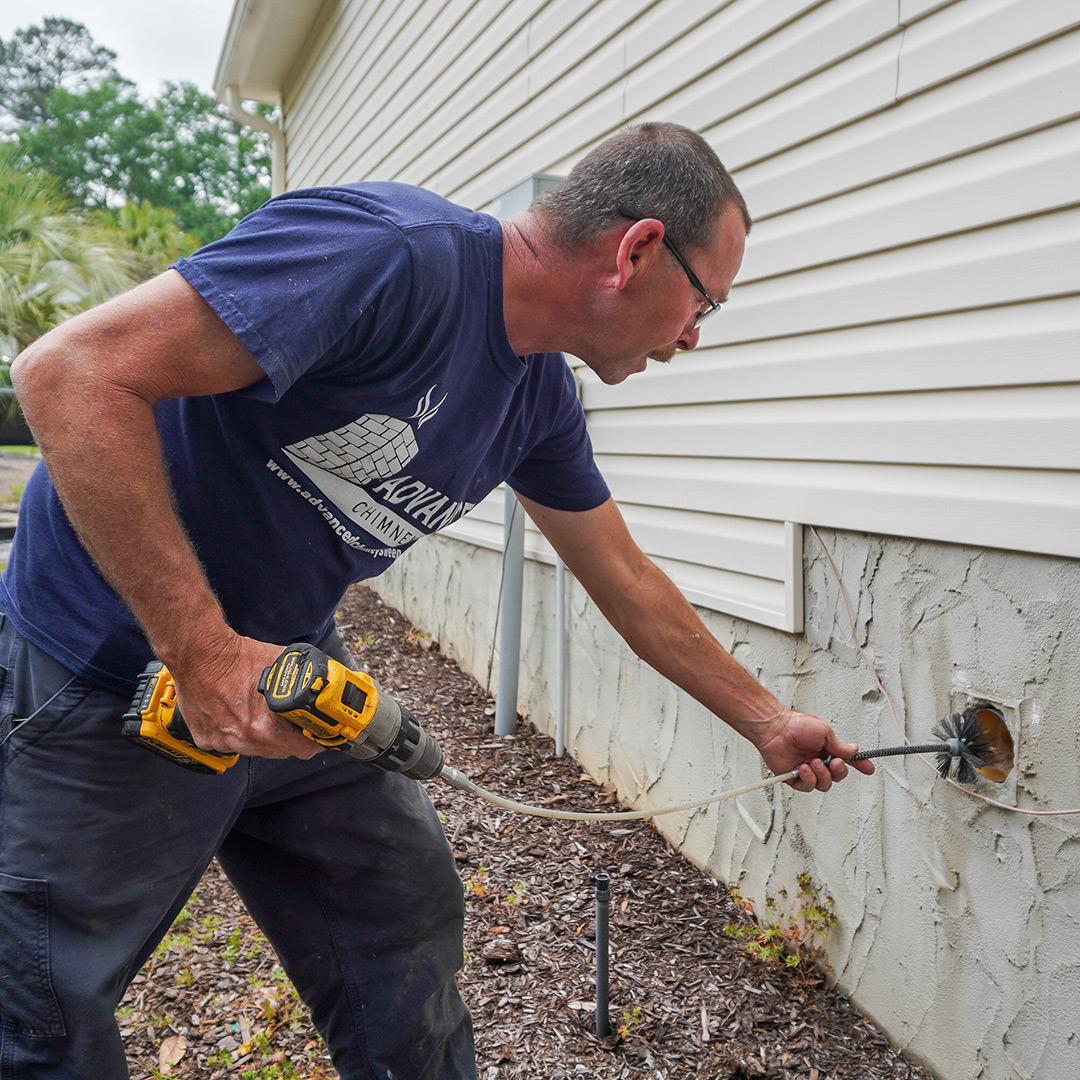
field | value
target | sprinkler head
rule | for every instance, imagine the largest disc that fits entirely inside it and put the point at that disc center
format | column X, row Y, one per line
column 981, row 743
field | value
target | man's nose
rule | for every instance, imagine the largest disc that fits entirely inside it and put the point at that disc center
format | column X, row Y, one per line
column 688, row 339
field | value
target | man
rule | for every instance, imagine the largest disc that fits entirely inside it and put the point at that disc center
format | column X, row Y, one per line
column 231, row 445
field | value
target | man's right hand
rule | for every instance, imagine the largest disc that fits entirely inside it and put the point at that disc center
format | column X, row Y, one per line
column 217, row 692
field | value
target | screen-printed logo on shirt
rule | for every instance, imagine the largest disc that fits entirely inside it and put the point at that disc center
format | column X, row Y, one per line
column 360, row 467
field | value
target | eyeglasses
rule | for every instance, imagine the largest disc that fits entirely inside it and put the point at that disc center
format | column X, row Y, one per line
column 712, row 305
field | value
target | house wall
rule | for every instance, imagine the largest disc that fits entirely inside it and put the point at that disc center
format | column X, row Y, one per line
column 897, row 366
column 899, row 352
column 957, row 920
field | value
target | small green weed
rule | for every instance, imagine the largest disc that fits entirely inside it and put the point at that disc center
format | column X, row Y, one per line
column 516, row 895
column 477, row 885
column 630, row 1019
column 793, row 939
column 232, row 947
column 277, row 1070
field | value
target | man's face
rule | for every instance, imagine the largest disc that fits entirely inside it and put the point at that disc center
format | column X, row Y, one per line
column 658, row 311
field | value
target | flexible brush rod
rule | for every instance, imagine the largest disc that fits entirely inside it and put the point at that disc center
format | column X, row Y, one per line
column 951, row 747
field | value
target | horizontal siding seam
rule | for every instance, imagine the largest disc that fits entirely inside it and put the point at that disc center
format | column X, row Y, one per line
column 984, row 65
column 929, row 163
column 804, row 268
column 782, row 88
column 814, row 331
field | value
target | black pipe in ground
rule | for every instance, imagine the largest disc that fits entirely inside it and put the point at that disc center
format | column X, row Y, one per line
column 603, row 905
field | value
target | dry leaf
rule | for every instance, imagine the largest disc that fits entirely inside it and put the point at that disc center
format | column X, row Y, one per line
column 171, row 1052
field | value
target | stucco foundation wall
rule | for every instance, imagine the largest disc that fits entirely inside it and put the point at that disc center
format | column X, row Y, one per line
column 959, row 923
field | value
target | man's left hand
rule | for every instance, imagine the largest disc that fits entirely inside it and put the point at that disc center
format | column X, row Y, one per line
column 800, row 741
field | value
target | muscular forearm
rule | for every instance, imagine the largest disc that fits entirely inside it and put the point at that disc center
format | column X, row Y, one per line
column 663, row 629
column 101, row 446
column 88, row 391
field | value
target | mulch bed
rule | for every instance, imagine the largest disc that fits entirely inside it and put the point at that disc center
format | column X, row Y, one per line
column 686, row 999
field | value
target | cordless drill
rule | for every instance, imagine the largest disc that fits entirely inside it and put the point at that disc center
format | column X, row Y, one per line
column 333, row 705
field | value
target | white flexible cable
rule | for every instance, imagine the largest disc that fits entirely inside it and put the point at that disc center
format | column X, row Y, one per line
column 458, row 780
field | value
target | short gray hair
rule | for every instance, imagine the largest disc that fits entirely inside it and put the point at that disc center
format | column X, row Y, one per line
column 658, row 170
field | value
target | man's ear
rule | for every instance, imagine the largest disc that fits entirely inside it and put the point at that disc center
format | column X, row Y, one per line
column 640, row 244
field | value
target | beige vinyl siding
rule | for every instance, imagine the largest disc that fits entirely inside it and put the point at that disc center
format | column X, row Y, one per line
column 901, row 353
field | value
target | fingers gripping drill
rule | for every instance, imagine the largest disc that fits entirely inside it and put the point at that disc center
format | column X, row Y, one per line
column 332, row 704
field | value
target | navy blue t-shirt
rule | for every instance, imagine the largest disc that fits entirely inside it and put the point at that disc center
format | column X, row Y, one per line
column 392, row 404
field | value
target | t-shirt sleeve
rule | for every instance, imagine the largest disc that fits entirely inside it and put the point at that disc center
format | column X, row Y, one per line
column 559, row 470
column 294, row 279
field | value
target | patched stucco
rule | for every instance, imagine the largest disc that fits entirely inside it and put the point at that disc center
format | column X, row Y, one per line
column 959, row 923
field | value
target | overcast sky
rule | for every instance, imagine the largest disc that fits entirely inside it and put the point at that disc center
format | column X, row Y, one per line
column 153, row 42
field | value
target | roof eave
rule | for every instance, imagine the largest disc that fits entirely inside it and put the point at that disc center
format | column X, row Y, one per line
column 262, row 43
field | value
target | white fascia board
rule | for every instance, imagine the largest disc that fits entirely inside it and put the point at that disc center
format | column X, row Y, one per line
column 261, row 45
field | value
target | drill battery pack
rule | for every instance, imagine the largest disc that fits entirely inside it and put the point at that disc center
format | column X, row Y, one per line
column 154, row 721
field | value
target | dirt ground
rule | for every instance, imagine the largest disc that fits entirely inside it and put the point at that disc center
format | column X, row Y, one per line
column 686, row 999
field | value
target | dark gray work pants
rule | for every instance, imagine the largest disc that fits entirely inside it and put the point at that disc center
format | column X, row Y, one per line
column 346, row 870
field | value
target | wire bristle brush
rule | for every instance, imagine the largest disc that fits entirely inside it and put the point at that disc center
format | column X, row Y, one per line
column 976, row 740
column 986, row 746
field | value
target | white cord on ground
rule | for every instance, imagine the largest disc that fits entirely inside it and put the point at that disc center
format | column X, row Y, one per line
column 458, row 780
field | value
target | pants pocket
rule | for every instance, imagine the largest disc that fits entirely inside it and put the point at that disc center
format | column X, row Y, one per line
column 26, row 991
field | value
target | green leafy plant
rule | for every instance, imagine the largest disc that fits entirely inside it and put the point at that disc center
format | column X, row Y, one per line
column 477, row 885
column 792, row 935
column 516, row 895
column 232, row 947
column 420, row 640
column 629, row 1020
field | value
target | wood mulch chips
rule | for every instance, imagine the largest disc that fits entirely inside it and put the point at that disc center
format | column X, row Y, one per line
column 685, row 1000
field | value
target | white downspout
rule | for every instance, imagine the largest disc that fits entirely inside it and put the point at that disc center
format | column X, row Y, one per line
column 260, row 123
column 560, row 657
column 513, row 569
column 562, row 639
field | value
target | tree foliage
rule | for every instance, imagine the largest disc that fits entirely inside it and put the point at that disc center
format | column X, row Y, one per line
column 151, row 234
column 76, row 118
column 53, row 263
column 59, row 54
